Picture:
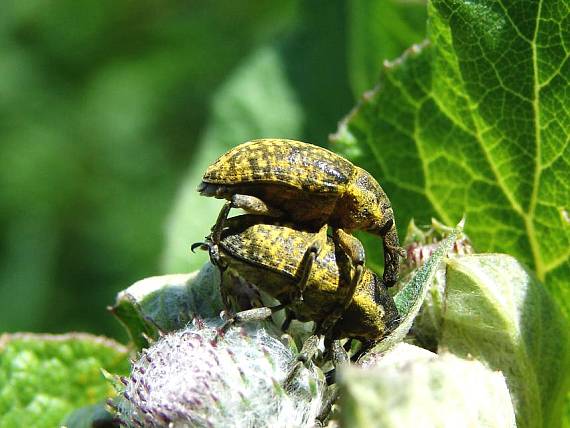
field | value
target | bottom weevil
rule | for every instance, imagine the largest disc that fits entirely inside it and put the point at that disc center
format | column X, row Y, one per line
column 306, row 273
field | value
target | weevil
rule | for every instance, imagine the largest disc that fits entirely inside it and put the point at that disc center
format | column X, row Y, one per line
column 310, row 186
column 306, row 272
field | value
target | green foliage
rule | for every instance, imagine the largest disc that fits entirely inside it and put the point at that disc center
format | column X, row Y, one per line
column 474, row 123
column 45, row 377
column 496, row 312
column 102, row 105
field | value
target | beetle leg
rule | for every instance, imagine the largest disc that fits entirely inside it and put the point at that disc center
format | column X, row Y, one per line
column 351, row 246
column 238, row 294
column 339, row 356
column 254, row 205
column 290, row 316
column 308, row 352
column 392, row 253
column 218, row 227
column 329, row 322
column 256, row 314
column 308, row 261
column 330, row 396
column 213, row 252
column 355, row 251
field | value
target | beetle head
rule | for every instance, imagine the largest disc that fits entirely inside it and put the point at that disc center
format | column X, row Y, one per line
column 373, row 208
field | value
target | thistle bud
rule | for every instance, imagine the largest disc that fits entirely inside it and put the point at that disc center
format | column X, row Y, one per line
column 194, row 378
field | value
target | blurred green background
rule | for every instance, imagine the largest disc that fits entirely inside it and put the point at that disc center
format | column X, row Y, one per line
column 106, row 107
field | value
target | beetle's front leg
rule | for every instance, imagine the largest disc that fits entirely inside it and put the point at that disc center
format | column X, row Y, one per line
column 355, row 251
column 218, row 227
column 329, row 322
column 309, row 259
column 308, row 352
column 351, row 246
column 392, row 254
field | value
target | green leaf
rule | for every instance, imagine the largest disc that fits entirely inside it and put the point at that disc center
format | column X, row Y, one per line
column 44, row 377
column 167, row 303
column 496, row 312
column 380, row 30
column 411, row 385
column 476, row 122
column 410, row 298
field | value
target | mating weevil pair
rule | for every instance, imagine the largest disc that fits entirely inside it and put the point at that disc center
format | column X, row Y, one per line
column 315, row 277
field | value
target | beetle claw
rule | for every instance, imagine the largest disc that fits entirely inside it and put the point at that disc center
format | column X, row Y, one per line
column 201, row 245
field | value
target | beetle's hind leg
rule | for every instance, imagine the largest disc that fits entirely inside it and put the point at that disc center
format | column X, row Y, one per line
column 254, row 205
column 355, row 251
column 256, row 314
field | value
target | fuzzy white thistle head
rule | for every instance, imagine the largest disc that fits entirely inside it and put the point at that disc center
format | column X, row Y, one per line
column 186, row 379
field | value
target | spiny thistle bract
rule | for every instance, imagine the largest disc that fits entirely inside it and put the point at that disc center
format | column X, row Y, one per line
column 189, row 379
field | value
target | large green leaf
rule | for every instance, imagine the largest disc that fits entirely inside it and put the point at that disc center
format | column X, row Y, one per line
column 477, row 122
column 45, row 377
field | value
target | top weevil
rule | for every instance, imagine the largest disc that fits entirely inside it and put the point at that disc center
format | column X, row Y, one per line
column 308, row 185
